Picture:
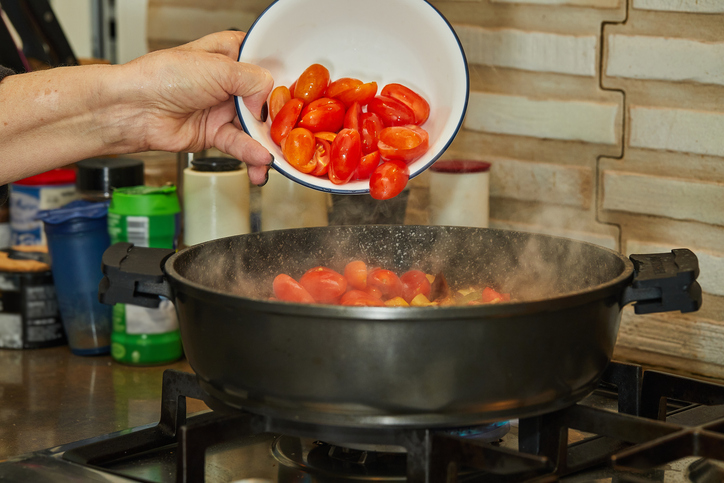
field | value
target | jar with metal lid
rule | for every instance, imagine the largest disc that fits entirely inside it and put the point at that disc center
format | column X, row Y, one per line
column 98, row 177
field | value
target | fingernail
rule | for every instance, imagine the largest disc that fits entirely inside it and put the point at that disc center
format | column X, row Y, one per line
column 266, row 179
column 264, row 112
column 272, row 160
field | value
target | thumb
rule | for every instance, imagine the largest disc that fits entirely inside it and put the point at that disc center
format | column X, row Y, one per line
column 253, row 84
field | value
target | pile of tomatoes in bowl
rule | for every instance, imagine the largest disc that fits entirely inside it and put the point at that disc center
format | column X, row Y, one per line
column 360, row 285
column 345, row 131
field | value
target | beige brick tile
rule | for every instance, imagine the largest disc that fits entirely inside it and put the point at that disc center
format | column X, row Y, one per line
column 183, row 24
column 546, row 182
column 605, row 240
column 675, row 198
column 711, row 264
column 583, row 3
column 677, row 130
column 665, row 58
column 694, row 6
column 592, row 122
column 534, row 51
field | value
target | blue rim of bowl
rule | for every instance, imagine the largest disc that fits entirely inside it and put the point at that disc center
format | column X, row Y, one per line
column 300, row 181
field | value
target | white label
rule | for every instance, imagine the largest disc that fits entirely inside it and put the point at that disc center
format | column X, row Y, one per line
column 137, row 230
column 11, row 331
column 142, row 320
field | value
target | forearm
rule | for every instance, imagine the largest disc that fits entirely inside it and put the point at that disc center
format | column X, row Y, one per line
column 55, row 117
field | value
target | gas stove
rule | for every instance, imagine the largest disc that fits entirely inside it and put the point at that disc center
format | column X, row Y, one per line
column 636, row 426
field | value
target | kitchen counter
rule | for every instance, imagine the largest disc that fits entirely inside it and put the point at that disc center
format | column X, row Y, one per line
column 51, row 397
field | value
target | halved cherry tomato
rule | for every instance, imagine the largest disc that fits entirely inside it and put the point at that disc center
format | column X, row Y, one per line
column 367, row 164
column 356, row 274
column 410, row 98
column 322, row 156
column 289, row 290
column 324, row 114
column 370, row 127
column 351, row 119
column 312, row 84
column 346, row 150
column 389, row 179
column 298, row 149
column 374, row 292
column 285, row 120
column 406, row 143
column 387, row 281
column 415, row 282
column 491, row 296
column 292, row 87
column 340, row 85
column 326, row 135
column 324, row 284
column 391, row 111
column 358, row 298
column 279, row 97
column 362, row 93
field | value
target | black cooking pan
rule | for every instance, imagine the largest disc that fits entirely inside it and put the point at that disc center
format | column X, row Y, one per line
column 385, row 366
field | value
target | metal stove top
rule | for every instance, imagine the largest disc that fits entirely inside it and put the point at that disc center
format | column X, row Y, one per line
column 609, row 436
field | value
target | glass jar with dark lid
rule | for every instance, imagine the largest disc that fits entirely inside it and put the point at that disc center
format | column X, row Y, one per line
column 98, row 177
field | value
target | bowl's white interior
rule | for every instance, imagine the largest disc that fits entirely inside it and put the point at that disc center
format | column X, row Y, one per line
column 403, row 41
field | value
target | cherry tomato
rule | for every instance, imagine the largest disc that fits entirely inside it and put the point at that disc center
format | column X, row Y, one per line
column 292, row 87
column 298, row 149
column 324, row 114
column 490, row 296
column 358, row 298
column 324, row 284
column 415, row 282
column 391, row 111
column 326, row 135
column 362, row 93
column 356, row 274
column 285, row 120
column 374, row 291
column 351, row 119
column 406, row 143
column 387, row 281
column 340, row 85
column 367, row 164
column 370, row 126
column 289, row 290
column 389, row 179
column 321, row 157
column 411, row 99
column 279, row 97
column 346, row 150
column 312, row 84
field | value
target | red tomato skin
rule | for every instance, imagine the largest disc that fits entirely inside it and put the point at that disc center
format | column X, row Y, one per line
column 386, row 281
column 491, row 295
column 391, row 111
column 404, row 143
column 358, row 298
column 356, row 274
column 374, row 291
column 324, row 114
column 298, row 149
column 322, row 156
column 370, row 127
column 352, row 118
column 414, row 282
column 389, row 179
column 278, row 98
column 324, row 284
column 361, row 94
column 367, row 165
column 285, row 120
column 289, row 290
column 411, row 99
column 312, row 84
column 340, row 85
column 346, row 151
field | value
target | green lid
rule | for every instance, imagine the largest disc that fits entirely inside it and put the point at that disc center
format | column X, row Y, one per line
column 145, row 201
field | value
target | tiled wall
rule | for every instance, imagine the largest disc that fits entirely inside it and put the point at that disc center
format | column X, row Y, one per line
column 604, row 121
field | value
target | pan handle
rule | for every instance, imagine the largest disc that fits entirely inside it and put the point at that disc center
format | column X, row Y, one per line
column 664, row 282
column 133, row 275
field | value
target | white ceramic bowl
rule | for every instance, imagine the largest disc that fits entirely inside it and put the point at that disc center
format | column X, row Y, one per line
column 385, row 41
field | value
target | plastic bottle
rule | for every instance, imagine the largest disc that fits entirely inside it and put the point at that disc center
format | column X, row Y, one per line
column 147, row 217
column 216, row 200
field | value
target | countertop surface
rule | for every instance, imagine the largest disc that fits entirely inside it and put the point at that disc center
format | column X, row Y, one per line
column 50, row 397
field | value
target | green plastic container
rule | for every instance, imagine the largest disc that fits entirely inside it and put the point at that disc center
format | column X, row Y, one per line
column 147, row 217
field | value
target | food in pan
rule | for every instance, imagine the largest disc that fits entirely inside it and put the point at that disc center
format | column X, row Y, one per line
column 345, row 131
column 359, row 285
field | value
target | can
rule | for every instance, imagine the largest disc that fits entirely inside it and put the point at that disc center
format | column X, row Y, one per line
column 45, row 191
column 147, row 217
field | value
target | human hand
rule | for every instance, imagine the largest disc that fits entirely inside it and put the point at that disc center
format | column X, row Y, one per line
column 183, row 100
